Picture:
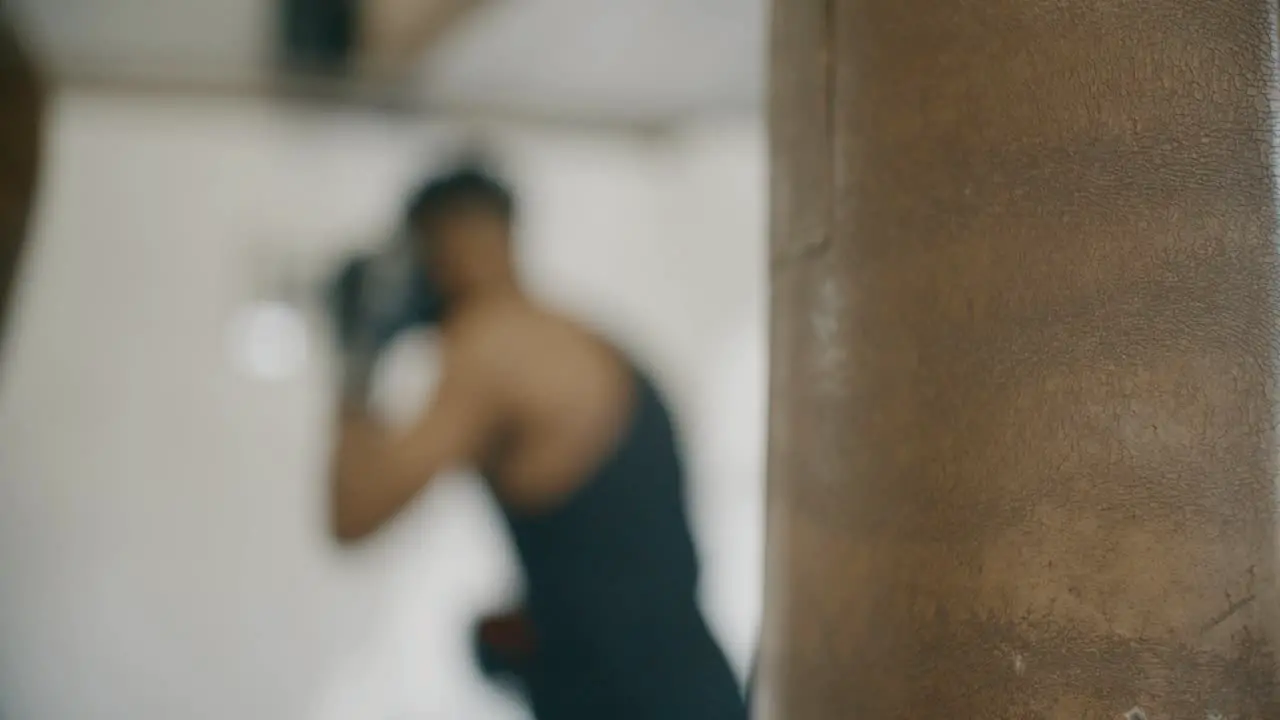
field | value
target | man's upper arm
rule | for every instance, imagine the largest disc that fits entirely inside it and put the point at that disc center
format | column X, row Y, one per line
column 459, row 420
column 379, row 472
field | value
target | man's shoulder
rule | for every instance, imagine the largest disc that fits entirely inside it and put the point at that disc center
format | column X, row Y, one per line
column 493, row 328
column 505, row 331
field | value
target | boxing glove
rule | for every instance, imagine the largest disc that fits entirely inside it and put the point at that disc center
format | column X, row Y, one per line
column 374, row 298
column 353, row 319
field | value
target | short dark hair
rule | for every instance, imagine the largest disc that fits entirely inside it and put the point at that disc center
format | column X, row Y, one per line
column 461, row 189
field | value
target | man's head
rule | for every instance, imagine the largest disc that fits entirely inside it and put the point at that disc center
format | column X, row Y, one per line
column 462, row 222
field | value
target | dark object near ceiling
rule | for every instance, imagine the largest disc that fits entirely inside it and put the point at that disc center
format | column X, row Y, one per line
column 318, row 37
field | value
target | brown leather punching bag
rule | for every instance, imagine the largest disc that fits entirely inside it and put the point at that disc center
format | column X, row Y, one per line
column 1023, row 433
column 21, row 113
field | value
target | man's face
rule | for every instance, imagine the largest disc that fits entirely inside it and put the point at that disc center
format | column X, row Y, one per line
column 456, row 243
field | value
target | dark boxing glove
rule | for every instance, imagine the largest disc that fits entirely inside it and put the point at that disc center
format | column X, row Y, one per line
column 357, row 321
column 368, row 299
column 343, row 298
column 374, row 298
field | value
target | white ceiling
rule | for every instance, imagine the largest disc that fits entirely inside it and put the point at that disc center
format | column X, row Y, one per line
column 224, row 38
column 607, row 56
column 585, row 59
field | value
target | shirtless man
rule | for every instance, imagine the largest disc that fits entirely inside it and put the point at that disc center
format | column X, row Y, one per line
column 579, row 450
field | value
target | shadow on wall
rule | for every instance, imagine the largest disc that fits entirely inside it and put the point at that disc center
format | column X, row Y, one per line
column 159, row 509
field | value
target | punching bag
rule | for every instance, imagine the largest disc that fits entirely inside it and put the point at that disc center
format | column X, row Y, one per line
column 1023, row 452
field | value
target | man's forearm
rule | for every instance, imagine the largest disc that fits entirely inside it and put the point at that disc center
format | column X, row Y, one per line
column 356, row 380
column 359, row 445
column 358, row 480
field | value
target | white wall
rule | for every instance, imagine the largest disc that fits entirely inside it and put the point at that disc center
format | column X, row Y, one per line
column 160, row 544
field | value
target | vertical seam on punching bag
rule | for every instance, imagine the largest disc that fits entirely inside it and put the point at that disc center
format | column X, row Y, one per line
column 790, row 254
column 830, row 79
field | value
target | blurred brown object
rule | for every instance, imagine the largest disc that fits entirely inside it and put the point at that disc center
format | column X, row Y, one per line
column 1023, row 456
column 508, row 639
column 22, row 104
column 395, row 34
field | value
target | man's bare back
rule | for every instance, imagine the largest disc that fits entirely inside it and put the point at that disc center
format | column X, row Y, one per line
column 563, row 397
